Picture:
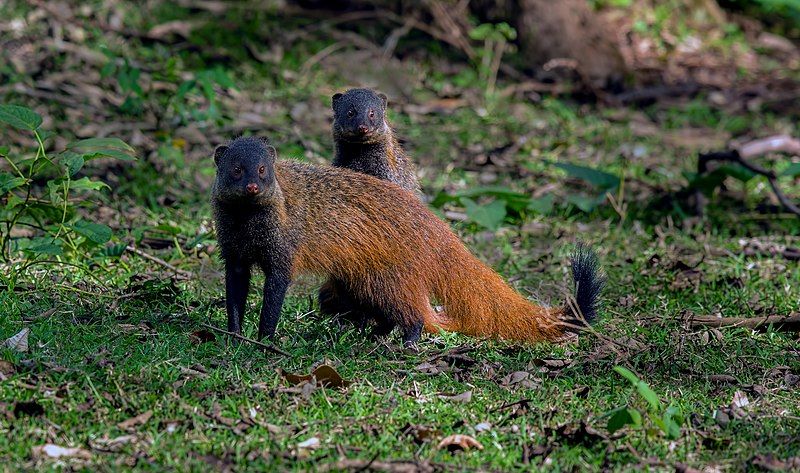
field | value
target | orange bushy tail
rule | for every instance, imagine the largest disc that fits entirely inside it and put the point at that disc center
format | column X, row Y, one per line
column 477, row 302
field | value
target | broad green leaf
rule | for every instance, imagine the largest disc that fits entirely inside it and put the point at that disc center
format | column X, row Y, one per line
column 516, row 202
column 108, row 153
column 19, row 117
column 93, row 143
column 585, row 203
column 481, row 31
column 622, row 417
column 9, row 182
column 649, row 395
column 184, row 88
column 627, row 374
column 55, row 191
column 13, row 200
column 676, row 413
column 98, row 147
column 222, row 78
column 542, row 205
column 167, row 228
column 112, row 251
column 73, row 162
column 96, row 232
column 672, row 420
column 600, row 179
column 45, row 211
column 488, row 216
column 4, row 150
column 44, row 246
column 737, row 172
column 792, row 171
column 85, row 183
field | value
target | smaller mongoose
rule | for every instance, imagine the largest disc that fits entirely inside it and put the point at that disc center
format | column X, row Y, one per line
column 290, row 218
column 365, row 142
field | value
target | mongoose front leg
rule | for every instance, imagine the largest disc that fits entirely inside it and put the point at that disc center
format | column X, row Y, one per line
column 275, row 286
column 237, row 285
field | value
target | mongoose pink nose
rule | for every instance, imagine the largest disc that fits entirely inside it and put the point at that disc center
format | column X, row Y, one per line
column 363, row 129
column 252, row 188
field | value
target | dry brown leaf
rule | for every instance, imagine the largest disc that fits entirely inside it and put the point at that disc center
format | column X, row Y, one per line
column 202, row 336
column 740, row 400
column 18, row 342
column 136, row 421
column 216, row 414
column 483, row 427
column 454, row 443
column 325, row 375
column 420, row 433
column 723, row 379
column 177, row 27
column 310, row 443
column 55, row 451
column 464, row 397
column 6, row 369
column 577, row 433
column 519, row 379
column 115, row 444
column 770, row 463
column 430, row 368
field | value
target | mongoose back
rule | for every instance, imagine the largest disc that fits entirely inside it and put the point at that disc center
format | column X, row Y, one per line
column 365, row 142
column 290, row 218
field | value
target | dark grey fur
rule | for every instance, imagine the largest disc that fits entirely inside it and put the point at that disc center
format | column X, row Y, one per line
column 364, row 140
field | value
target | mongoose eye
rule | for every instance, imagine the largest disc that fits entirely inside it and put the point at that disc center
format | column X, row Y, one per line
column 351, row 113
column 372, row 114
column 262, row 170
column 237, row 171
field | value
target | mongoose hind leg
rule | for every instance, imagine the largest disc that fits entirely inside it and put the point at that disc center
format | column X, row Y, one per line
column 408, row 315
column 335, row 300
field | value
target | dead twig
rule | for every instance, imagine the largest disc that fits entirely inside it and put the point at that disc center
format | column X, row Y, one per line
column 789, row 323
column 740, row 156
column 157, row 260
column 257, row 343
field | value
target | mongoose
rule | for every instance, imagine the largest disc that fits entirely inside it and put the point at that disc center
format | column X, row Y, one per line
column 290, row 218
column 366, row 143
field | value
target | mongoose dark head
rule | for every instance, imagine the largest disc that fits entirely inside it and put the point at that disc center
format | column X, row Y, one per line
column 359, row 116
column 245, row 170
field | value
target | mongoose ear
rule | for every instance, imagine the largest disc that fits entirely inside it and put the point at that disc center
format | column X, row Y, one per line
column 272, row 152
column 218, row 153
column 384, row 99
column 335, row 99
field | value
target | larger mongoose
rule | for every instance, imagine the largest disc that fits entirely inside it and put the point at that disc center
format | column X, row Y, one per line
column 290, row 218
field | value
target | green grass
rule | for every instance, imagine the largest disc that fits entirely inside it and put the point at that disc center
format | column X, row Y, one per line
column 112, row 351
column 94, row 364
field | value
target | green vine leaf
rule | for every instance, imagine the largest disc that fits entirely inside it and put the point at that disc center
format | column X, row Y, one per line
column 19, row 117
column 95, row 232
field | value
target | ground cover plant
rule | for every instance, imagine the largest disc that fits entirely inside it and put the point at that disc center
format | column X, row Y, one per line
column 111, row 289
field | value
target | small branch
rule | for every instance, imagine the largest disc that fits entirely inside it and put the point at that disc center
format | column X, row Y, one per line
column 779, row 143
column 773, row 144
column 788, row 204
column 789, row 323
column 263, row 345
column 155, row 259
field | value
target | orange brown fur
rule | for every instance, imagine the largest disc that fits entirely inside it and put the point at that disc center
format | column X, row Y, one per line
column 398, row 261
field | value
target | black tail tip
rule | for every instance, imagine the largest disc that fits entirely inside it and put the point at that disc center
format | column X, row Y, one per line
column 588, row 280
